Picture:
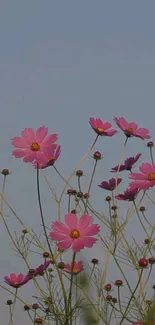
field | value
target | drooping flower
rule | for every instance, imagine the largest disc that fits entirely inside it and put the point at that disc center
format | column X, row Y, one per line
column 129, row 195
column 40, row 269
column 145, row 179
column 101, row 128
column 75, row 233
column 111, row 184
column 34, row 146
column 16, row 280
column 76, row 269
column 52, row 159
column 131, row 129
column 128, row 164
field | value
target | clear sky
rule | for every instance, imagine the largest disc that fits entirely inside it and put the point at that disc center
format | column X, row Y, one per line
column 60, row 63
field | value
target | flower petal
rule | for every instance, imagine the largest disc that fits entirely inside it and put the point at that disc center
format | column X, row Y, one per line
column 91, row 230
column 147, row 168
column 29, row 135
column 65, row 244
column 60, row 227
column 41, row 133
column 57, row 235
column 84, row 222
column 71, row 221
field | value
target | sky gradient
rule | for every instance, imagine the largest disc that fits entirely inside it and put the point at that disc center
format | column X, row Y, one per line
column 60, row 63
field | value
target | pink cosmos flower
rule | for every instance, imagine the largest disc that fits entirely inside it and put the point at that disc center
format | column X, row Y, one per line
column 145, row 179
column 131, row 129
column 75, row 233
column 101, row 128
column 129, row 195
column 16, row 280
column 128, row 164
column 52, row 159
column 34, row 146
column 111, row 184
column 40, row 269
column 76, row 269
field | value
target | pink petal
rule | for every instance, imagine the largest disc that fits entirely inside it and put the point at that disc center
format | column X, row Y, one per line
column 30, row 156
column 19, row 153
column 138, row 176
column 65, row 244
column 60, row 227
column 71, row 221
column 57, row 236
column 29, row 135
column 111, row 133
column 141, row 185
column 147, row 168
column 41, row 157
column 19, row 142
column 13, row 277
column 88, row 241
column 133, row 126
column 49, row 140
column 122, row 123
column 41, row 134
column 84, row 222
column 107, row 125
column 78, row 245
column 91, row 230
column 20, row 277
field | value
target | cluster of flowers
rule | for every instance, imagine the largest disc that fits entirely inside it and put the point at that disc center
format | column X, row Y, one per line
column 42, row 151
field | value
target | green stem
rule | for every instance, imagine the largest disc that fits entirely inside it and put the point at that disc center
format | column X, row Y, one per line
column 139, row 218
column 70, row 290
column 151, row 155
column 90, row 184
column 13, row 308
column 132, row 296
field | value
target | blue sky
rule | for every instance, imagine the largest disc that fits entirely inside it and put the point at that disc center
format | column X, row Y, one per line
column 60, row 63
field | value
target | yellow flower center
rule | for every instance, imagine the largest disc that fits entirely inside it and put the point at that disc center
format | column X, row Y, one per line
column 50, row 159
column 151, row 177
column 112, row 188
column 35, row 146
column 75, row 234
column 75, row 271
column 130, row 130
column 100, row 129
column 16, row 283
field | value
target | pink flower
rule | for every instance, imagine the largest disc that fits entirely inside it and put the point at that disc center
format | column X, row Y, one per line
column 111, row 184
column 145, row 179
column 76, row 269
column 129, row 195
column 128, row 164
column 16, row 280
column 75, row 233
column 52, row 159
column 101, row 128
column 40, row 269
column 131, row 129
column 34, row 146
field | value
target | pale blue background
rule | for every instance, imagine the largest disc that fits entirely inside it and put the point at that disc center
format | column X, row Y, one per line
column 60, row 63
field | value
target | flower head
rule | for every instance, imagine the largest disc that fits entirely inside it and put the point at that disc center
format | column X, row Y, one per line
column 76, row 269
column 55, row 153
column 128, row 164
column 34, row 146
column 111, row 184
column 129, row 195
column 75, row 233
column 131, row 129
column 101, row 128
column 16, row 280
column 145, row 179
column 38, row 270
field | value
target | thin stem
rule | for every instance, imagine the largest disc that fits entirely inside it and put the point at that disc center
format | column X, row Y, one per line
column 78, row 165
column 13, row 308
column 70, row 290
column 90, row 184
column 132, row 296
column 139, row 218
column 151, row 155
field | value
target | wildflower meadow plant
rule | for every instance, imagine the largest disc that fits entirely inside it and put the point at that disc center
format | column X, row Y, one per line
column 97, row 262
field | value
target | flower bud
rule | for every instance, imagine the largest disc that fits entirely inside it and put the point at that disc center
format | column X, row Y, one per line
column 71, row 192
column 26, row 308
column 35, row 306
column 80, row 195
column 5, row 172
column 108, row 287
column 46, row 254
column 25, row 231
column 86, row 195
column 109, row 298
column 74, row 211
column 38, row 320
column 79, row 173
column 150, row 144
column 142, row 209
column 94, row 260
column 61, row 265
column 143, row 262
column 97, row 155
column 114, row 300
column 108, row 198
column 118, row 283
column 9, row 302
